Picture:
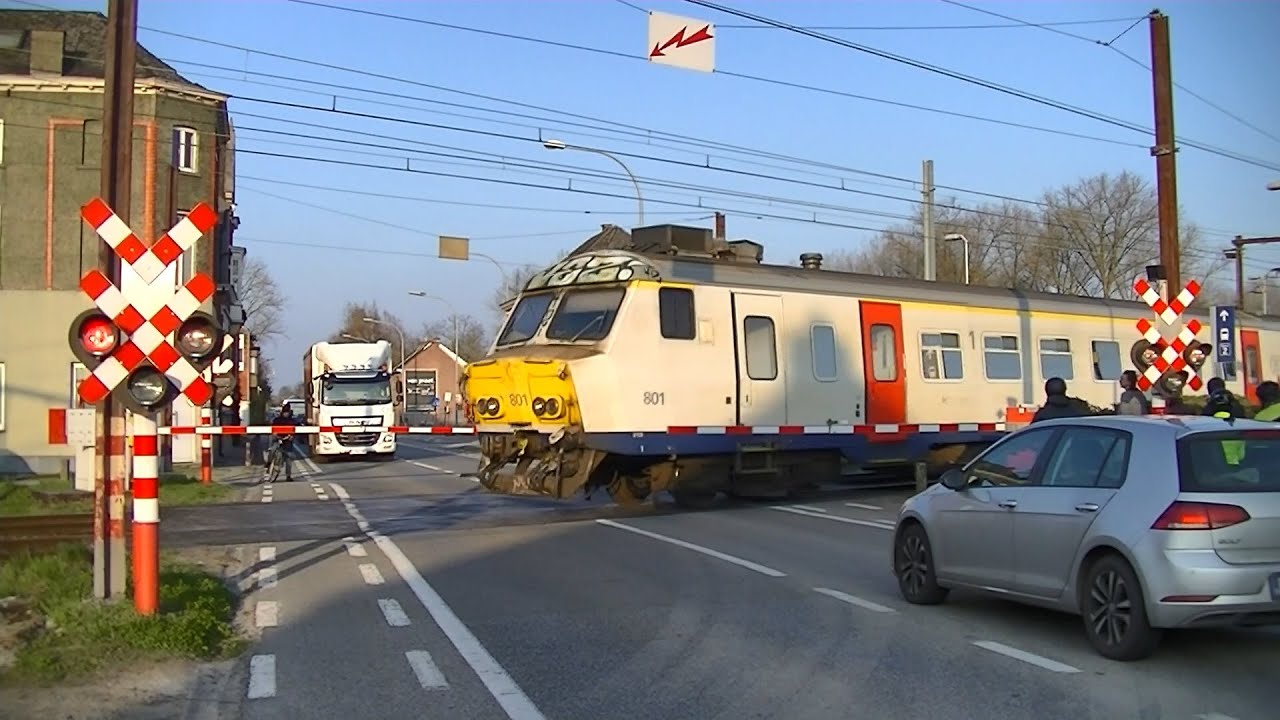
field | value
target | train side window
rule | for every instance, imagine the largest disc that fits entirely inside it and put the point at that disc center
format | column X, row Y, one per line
column 940, row 356
column 1001, row 358
column 675, row 313
column 884, row 351
column 1252, row 365
column 1055, row 358
column 762, row 352
column 822, row 340
column 1106, row 360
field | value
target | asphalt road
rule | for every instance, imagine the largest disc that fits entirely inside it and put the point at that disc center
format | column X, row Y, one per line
column 753, row 611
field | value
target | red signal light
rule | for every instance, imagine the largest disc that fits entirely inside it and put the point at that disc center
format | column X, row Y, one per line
column 98, row 336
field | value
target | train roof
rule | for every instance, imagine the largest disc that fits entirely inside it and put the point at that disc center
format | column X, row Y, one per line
column 740, row 264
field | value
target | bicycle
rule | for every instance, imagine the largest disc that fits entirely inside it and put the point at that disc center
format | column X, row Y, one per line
column 276, row 460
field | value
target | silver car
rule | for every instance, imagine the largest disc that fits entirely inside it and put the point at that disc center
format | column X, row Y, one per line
column 1136, row 523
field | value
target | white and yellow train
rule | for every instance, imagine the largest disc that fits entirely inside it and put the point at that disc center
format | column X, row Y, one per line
column 695, row 368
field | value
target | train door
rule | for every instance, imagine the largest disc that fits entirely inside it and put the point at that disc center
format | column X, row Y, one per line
column 1252, row 356
column 762, row 384
column 882, row 363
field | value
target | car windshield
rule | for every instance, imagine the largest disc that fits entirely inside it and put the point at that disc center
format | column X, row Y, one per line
column 525, row 319
column 1233, row 461
column 356, row 392
column 585, row 314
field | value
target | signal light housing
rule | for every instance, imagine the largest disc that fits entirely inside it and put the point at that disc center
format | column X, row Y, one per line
column 93, row 337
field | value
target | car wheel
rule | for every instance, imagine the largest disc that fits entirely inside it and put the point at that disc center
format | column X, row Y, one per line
column 1115, row 612
column 914, row 566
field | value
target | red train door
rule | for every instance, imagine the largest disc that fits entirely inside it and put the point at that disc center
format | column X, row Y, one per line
column 1252, row 361
column 882, row 363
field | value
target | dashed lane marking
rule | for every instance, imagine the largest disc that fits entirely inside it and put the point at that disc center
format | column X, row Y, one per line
column 434, row 468
column 861, row 506
column 394, row 614
column 878, row 524
column 354, row 549
column 267, row 578
column 262, row 676
column 845, row 597
column 424, row 668
column 267, row 492
column 1026, row 657
column 371, row 575
column 266, row 613
column 267, row 554
column 762, row 569
column 500, row 684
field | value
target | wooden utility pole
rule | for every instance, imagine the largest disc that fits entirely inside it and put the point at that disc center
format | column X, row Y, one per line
column 1164, row 151
column 117, row 183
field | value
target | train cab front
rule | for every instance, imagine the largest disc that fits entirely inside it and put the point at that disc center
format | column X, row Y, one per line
column 527, row 415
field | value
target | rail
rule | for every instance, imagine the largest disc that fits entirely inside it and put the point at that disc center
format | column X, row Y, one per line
column 41, row 532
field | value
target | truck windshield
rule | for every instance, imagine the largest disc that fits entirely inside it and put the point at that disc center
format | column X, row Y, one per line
column 525, row 319
column 585, row 314
column 356, row 392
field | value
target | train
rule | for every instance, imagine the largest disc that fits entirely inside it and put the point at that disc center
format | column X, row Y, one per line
column 680, row 362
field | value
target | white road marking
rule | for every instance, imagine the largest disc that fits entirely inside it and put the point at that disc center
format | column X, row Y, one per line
column 763, row 570
column 878, row 524
column 266, row 613
column 311, row 465
column 262, row 676
column 809, row 508
column 863, row 506
column 425, row 466
column 371, row 574
column 320, row 494
column 1026, row 657
column 354, row 549
column 266, row 498
column 394, row 614
column 267, row 578
column 1214, row 716
column 501, row 685
column 424, row 668
column 267, row 554
column 865, row 604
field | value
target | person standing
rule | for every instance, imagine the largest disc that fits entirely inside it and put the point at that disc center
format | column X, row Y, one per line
column 1132, row 400
column 1269, row 397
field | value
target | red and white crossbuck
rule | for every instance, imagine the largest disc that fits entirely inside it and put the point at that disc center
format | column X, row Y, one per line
column 1171, row 358
column 152, row 309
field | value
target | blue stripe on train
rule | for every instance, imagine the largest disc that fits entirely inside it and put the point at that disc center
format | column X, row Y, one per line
column 857, row 448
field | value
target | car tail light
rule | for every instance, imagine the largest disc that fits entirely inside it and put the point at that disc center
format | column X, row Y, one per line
column 1199, row 516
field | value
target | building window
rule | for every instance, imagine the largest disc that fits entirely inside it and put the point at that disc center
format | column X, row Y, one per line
column 675, row 313
column 4, row 396
column 940, row 357
column 1055, row 359
column 1106, row 360
column 186, row 149
column 822, row 341
column 1001, row 358
column 884, row 353
column 762, row 353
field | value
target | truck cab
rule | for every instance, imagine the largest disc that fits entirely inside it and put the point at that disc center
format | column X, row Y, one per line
column 350, row 386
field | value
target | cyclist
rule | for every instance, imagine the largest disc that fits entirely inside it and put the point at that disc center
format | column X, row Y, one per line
column 286, row 417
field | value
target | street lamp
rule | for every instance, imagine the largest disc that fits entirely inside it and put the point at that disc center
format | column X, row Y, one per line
column 376, row 321
column 457, row 390
column 1266, row 280
column 1273, row 185
column 552, row 144
column 952, row 237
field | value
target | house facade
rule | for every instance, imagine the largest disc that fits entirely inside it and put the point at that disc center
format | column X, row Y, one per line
column 432, row 373
column 51, row 78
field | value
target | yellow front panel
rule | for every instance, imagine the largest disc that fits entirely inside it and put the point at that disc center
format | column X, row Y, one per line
column 521, row 386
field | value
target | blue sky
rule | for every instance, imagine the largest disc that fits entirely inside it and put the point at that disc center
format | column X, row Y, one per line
column 1220, row 50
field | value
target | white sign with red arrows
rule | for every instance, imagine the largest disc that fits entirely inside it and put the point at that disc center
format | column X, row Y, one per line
column 681, row 42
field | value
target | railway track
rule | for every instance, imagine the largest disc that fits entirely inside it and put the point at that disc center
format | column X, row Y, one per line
column 41, row 532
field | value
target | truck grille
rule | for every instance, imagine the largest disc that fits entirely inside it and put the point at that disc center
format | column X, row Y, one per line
column 354, row 439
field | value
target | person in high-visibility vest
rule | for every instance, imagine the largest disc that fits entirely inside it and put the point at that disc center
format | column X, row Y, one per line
column 1221, row 403
column 1269, row 397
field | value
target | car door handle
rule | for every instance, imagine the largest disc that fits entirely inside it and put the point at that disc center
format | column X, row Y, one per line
column 1008, row 503
column 1087, row 507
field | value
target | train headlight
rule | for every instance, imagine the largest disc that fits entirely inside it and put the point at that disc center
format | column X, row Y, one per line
column 493, row 406
column 552, row 407
column 539, row 406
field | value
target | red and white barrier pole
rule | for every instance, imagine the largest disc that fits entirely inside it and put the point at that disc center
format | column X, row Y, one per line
column 146, row 516
column 206, row 448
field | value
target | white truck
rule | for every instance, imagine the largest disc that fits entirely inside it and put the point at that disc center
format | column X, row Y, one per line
column 349, row 385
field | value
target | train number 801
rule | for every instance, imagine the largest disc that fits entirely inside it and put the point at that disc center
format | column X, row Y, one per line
column 655, row 398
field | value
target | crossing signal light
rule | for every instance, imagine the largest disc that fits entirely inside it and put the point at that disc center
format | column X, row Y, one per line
column 1196, row 355
column 94, row 336
column 199, row 339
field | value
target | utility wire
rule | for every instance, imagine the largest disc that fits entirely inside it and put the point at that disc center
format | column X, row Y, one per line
column 1110, row 45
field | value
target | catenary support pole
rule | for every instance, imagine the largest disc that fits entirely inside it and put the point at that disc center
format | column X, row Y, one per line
column 116, row 181
column 1165, row 151
column 926, row 223
column 146, row 515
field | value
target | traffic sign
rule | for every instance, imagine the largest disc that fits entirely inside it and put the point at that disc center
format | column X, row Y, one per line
column 681, row 42
column 1170, row 311
column 148, row 312
column 1162, row 363
column 1224, row 333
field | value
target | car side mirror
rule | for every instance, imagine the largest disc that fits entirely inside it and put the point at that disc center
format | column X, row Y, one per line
column 954, row 479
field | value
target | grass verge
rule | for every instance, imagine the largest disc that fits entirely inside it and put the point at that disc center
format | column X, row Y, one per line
column 58, row 634
column 43, row 495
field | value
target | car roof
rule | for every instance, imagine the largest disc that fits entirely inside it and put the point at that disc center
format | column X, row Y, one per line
column 1175, row 425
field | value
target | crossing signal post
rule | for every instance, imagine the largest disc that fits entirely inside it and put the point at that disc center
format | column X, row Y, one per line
column 124, row 343
column 1167, row 366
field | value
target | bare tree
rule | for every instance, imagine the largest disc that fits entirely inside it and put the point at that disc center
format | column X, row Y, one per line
column 354, row 325
column 263, row 302
column 473, row 337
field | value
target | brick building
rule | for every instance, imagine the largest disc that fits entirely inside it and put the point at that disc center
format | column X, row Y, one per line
column 431, row 371
column 51, row 70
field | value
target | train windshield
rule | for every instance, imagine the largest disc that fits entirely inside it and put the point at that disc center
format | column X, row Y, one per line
column 585, row 314
column 525, row 319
